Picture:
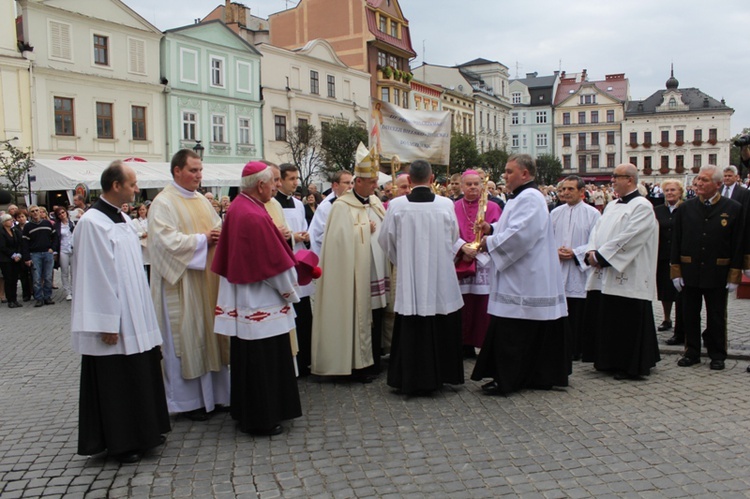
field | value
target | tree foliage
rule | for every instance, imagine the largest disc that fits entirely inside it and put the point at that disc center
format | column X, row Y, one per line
column 15, row 165
column 305, row 151
column 548, row 169
column 340, row 141
column 464, row 154
column 493, row 162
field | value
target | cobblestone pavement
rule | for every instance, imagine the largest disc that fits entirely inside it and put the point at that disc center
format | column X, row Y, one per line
column 682, row 432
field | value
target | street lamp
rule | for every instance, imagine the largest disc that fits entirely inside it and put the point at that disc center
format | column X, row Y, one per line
column 198, row 148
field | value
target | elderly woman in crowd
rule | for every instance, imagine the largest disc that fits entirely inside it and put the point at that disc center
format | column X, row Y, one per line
column 665, row 290
column 64, row 249
column 10, row 258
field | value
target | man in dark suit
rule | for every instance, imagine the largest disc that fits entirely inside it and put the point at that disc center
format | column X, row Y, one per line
column 706, row 263
column 733, row 188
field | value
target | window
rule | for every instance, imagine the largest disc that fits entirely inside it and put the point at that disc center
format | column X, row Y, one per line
column 138, row 114
column 582, row 117
column 610, row 138
column 383, row 24
column 634, row 160
column 104, row 129
column 385, row 94
column 243, row 127
column 136, row 56
column 588, row 99
column 516, row 97
column 394, row 29
column 594, row 161
column 680, row 162
column 280, row 127
column 633, row 138
column 393, row 61
column 541, row 117
column 331, row 86
column 302, row 129
column 698, row 136
column 582, row 162
column 594, row 116
column 566, row 118
column 566, row 140
column 523, row 140
column 679, row 137
column 665, row 162
column 610, row 160
column 101, row 50
column 541, row 140
column 314, row 83
column 712, row 159
column 382, row 59
column 672, row 103
column 566, row 161
column 665, row 136
column 697, row 161
column 647, row 162
column 60, row 42
column 514, row 141
column 218, row 128
column 396, row 97
column 594, row 138
column 610, row 115
column 646, row 138
column 189, row 125
column 581, row 141
column 64, row 121
column 712, row 133
column 244, row 77
column 217, row 72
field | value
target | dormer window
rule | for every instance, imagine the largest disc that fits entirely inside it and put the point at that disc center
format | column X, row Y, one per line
column 672, row 103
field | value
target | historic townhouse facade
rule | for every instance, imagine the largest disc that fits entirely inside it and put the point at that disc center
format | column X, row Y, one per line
column 587, row 124
column 368, row 35
column 213, row 93
column 458, row 95
column 489, row 82
column 308, row 86
column 425, row 97
column 532, row 117
column 15, row 95
column 96, row 91
column 676, row 131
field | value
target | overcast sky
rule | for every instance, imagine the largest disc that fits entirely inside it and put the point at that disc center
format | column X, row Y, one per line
column 707, row 42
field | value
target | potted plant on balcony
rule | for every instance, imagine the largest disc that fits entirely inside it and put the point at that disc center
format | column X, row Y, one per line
column 664, row 144
column 679, row 169
column 712, row 141
column 388, row 72
column 397, row 74
column 647, row 170
column 695, row 169
column 664, row 170
column 633, row 144
column 697, row 142
column 408, row 77
column 647, row 144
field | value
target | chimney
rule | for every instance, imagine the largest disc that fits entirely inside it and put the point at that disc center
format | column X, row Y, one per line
column 532, row 75
column 584, row 77
column 235, row 13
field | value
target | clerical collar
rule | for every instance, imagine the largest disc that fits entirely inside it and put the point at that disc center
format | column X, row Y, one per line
column 518, row 190
column 284, row 200
column 421, row 194
column 713, row 200
column 360, row 198
column 111, row 211
column 186, row 193
column 627, row 198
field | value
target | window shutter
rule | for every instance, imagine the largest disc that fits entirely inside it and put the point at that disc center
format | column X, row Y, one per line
column 136, row 56
column 60, row 43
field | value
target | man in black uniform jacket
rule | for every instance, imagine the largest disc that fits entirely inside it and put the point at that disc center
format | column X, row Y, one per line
column 706, row 262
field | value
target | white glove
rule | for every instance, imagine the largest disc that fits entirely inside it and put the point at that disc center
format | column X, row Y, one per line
column 732, row 287
column 679, row 283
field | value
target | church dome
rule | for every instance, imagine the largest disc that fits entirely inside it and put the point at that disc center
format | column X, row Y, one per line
column 672, row 82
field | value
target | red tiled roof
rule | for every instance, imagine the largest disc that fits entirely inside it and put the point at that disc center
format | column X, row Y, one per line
column 618, row 84
column 404, row 43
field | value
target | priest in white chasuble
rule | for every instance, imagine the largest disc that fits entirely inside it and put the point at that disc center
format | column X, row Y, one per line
column 123, row 409
column 419, row 236
column 352, row 295
column 525, row 345
column 623, row 251
column 573, row 222
column 183, row 232
column 257, row 288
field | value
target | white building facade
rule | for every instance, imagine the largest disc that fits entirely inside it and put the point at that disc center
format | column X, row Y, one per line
column 531, row 119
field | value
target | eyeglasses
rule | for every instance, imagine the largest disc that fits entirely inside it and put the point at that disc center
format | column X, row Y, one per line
column 621, row 176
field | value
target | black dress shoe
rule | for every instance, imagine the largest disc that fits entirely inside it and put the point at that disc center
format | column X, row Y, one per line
column 716, row 365
column 39, row 303
column 18, row 305
column 129, row 457
column 197, row 415
column 49, row 301
column 492, row 388
column 469, row 352
column 674, row 340
column 276, row 430
column 688, row 361
column 665, row 326
column 11, row 304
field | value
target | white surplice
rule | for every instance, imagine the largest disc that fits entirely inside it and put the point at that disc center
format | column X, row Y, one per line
column 627, row 236
column 573, row 226
column 110, row 291
column 427, row 284
column 527, row 283
column 317, row 227
column 296, row 221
